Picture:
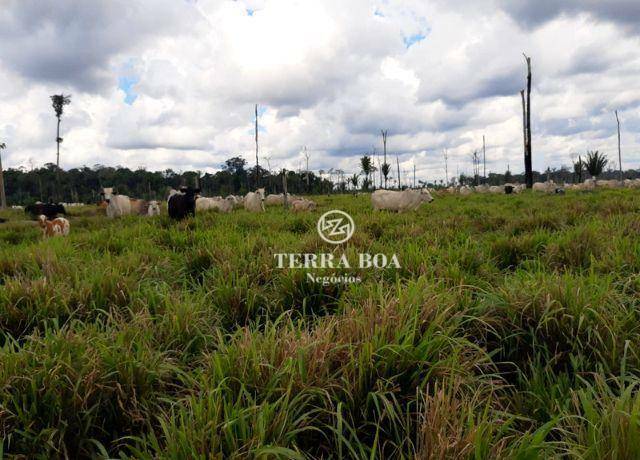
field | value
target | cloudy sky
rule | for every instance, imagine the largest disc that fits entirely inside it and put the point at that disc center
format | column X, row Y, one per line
column 173, row 83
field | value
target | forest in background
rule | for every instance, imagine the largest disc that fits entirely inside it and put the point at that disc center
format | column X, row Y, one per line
column 84, row 184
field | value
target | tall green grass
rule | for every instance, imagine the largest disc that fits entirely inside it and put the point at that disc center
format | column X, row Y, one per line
column 510, row 331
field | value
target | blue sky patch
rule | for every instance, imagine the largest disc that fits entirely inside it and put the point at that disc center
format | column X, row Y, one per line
column 413, row 39
column 126, row 83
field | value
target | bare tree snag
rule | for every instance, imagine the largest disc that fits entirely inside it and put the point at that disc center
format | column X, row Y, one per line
column 619, row 149
column 3, row 197
column 385, row 165
column 284, row 188
column 257, row 168
column 446, row 170
column 484, row 160
column 528, row 170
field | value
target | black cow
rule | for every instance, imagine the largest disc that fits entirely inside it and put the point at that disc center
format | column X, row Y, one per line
column 183, row 204
column 51, row 210
column 508, row 189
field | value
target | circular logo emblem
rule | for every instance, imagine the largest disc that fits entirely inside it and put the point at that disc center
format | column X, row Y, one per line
column 336, row 227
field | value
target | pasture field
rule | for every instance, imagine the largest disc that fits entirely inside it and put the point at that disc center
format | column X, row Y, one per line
column 511, row 330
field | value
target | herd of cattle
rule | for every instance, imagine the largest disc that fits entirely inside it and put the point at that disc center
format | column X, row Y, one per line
column 546, row 187
column 187, row 201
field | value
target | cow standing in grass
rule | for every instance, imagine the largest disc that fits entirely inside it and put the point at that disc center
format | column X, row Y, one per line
column 254, row 201
column 56, row 227
column 117, row 205
column 183, row 204
column 407, row 200
column 153, row 209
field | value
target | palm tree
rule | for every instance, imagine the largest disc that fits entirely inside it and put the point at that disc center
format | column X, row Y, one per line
column 58, row 101
column 3, row 198
column 386, row 168
column 367, row 168
column 595, row 163
column 354, row 180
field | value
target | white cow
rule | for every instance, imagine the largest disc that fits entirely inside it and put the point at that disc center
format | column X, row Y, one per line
column 609, row 184
column 302, row 204
column 496, row 189
column 220, row 204
column 547, row 187
column 466, row 190
column 274, row 200
column 154, row 208
column 236, row 201
column 118, row 205
column 254, row 201
column 632, row 183
column 407, row 200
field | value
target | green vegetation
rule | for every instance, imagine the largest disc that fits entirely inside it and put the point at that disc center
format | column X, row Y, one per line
column 511, row 331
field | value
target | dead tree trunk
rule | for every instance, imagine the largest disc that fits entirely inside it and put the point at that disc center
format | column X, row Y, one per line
column 528, row 170
column 257, row 175
column 446, row 170
column 524, row 133
column 59, row 185
column 3, row 197
column 398, row 167
column 484, row 161
column 619, row 149
column 414, row 175
column 284, row 189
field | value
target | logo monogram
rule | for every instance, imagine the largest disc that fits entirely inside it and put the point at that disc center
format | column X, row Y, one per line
column 336, row 227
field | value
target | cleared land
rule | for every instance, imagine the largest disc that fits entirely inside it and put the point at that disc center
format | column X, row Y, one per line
column 511, row 330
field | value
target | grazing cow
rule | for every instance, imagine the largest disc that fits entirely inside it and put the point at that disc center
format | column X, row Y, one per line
column 274, row 200
column 510, row 188
column 484, row 188
column 50, row 210
column 496, row 189
column 218, row 203
column 56, row 227
column 465, row 190
column 139, row 207
column 153, row 209
column 632, row 183
column 588, row 184
column 119, row 205
column 236, row 201
column 610, row 184
column 407, row 200
column 302, row 204
column 254, row 201
column 183, row 204
column 547, row 187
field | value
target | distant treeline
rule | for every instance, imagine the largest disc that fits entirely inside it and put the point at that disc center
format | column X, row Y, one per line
column 84, row 184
